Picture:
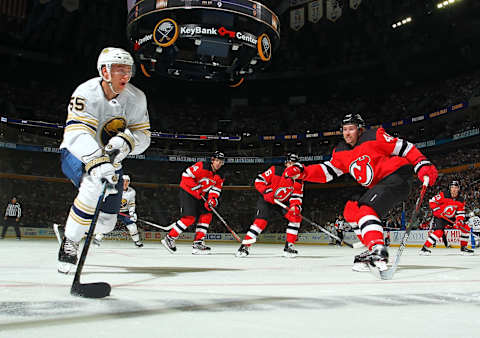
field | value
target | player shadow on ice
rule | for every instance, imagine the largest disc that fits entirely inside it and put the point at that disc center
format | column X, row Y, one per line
column 152, row 270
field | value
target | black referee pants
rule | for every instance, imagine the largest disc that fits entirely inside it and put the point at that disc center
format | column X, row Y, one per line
column 11, row 221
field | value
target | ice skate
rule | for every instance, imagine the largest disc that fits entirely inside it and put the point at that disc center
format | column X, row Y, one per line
column 360, row 262
column 466, row 251
column 67, row 255
column 289, row 250
column 425, row 251
column 199, row 248
column 139, row 244
column 378, row 258
column 169, row 243
column 242, row 251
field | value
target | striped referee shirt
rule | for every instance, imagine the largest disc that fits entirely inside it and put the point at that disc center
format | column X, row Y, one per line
column 13, row 210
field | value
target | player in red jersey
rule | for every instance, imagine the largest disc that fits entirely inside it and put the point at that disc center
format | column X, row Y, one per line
column 273, row 185
column 381, row 163
column 448, row 208
column 199, row 181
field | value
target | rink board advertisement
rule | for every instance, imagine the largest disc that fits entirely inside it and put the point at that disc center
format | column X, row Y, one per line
column 417, row 237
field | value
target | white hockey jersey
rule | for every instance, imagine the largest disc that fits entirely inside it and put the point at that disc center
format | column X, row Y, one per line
column 128, row 201
column 474, row 223
column 92, row 119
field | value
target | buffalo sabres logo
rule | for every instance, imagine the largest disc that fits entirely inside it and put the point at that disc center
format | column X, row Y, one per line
column 264, row 47
column 112, row 127
column 124, row 203
column 283, row 193
column 361, row 170
column 165, row 33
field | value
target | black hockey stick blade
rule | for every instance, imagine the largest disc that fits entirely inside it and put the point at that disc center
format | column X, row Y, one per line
column 91, row 290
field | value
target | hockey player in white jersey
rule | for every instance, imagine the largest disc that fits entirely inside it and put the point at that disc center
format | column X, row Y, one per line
column 127, row 215
column 106, row 115
column 474, row 224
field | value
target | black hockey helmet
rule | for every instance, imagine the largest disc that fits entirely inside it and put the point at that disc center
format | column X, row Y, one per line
column 455, row 184
column 291, row 157
column 355, row 119
column 219, row 155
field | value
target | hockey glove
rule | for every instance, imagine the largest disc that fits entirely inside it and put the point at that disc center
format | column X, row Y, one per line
column 430, row 171
column 268, row 196
column 121, row 145
column 101, row 168
column 212, row 202
column 293, row 214
column 295, row 171
column 294, row 210
column 133, row 217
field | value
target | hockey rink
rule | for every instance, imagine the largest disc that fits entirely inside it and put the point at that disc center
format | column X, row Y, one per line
column 157, row 294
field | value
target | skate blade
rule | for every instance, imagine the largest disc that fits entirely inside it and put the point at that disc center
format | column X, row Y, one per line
column 64, row 268
column 167, row 247
column 200, row 252
column 241, row 255
column 360, row 267
column 289, row 255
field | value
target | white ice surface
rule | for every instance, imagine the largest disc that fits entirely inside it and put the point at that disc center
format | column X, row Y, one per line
column 157, row 294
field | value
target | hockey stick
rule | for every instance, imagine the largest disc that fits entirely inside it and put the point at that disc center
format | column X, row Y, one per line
column 224, row 223
column 319, row 227
column 388, row 274
column 90, row 290
column 149, row 223
column 57, row 233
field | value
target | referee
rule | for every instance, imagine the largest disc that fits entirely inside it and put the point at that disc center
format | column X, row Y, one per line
column 12, row 217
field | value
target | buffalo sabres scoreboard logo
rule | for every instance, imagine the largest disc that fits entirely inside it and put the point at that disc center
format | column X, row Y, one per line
column 361, row 170
column 264, row 47
column 111, row 128
column 283, row 193
column 166, row 32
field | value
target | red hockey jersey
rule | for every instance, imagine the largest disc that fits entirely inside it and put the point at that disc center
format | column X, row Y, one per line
column 285, row 189
column 443, row 205
column 200, row 177
column 375, row 156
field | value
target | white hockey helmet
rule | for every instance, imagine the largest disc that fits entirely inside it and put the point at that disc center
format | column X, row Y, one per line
column 126, row 178
column 113, row 55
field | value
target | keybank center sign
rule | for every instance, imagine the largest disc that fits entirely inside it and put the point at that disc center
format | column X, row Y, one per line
column 194, row 30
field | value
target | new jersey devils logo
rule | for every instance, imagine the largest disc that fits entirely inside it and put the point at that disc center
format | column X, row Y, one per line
column 206, row 183
column 283, row 193
column 449, row 211
column 361, row 170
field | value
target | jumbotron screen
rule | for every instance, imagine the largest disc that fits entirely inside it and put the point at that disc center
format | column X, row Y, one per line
column 208, row 40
